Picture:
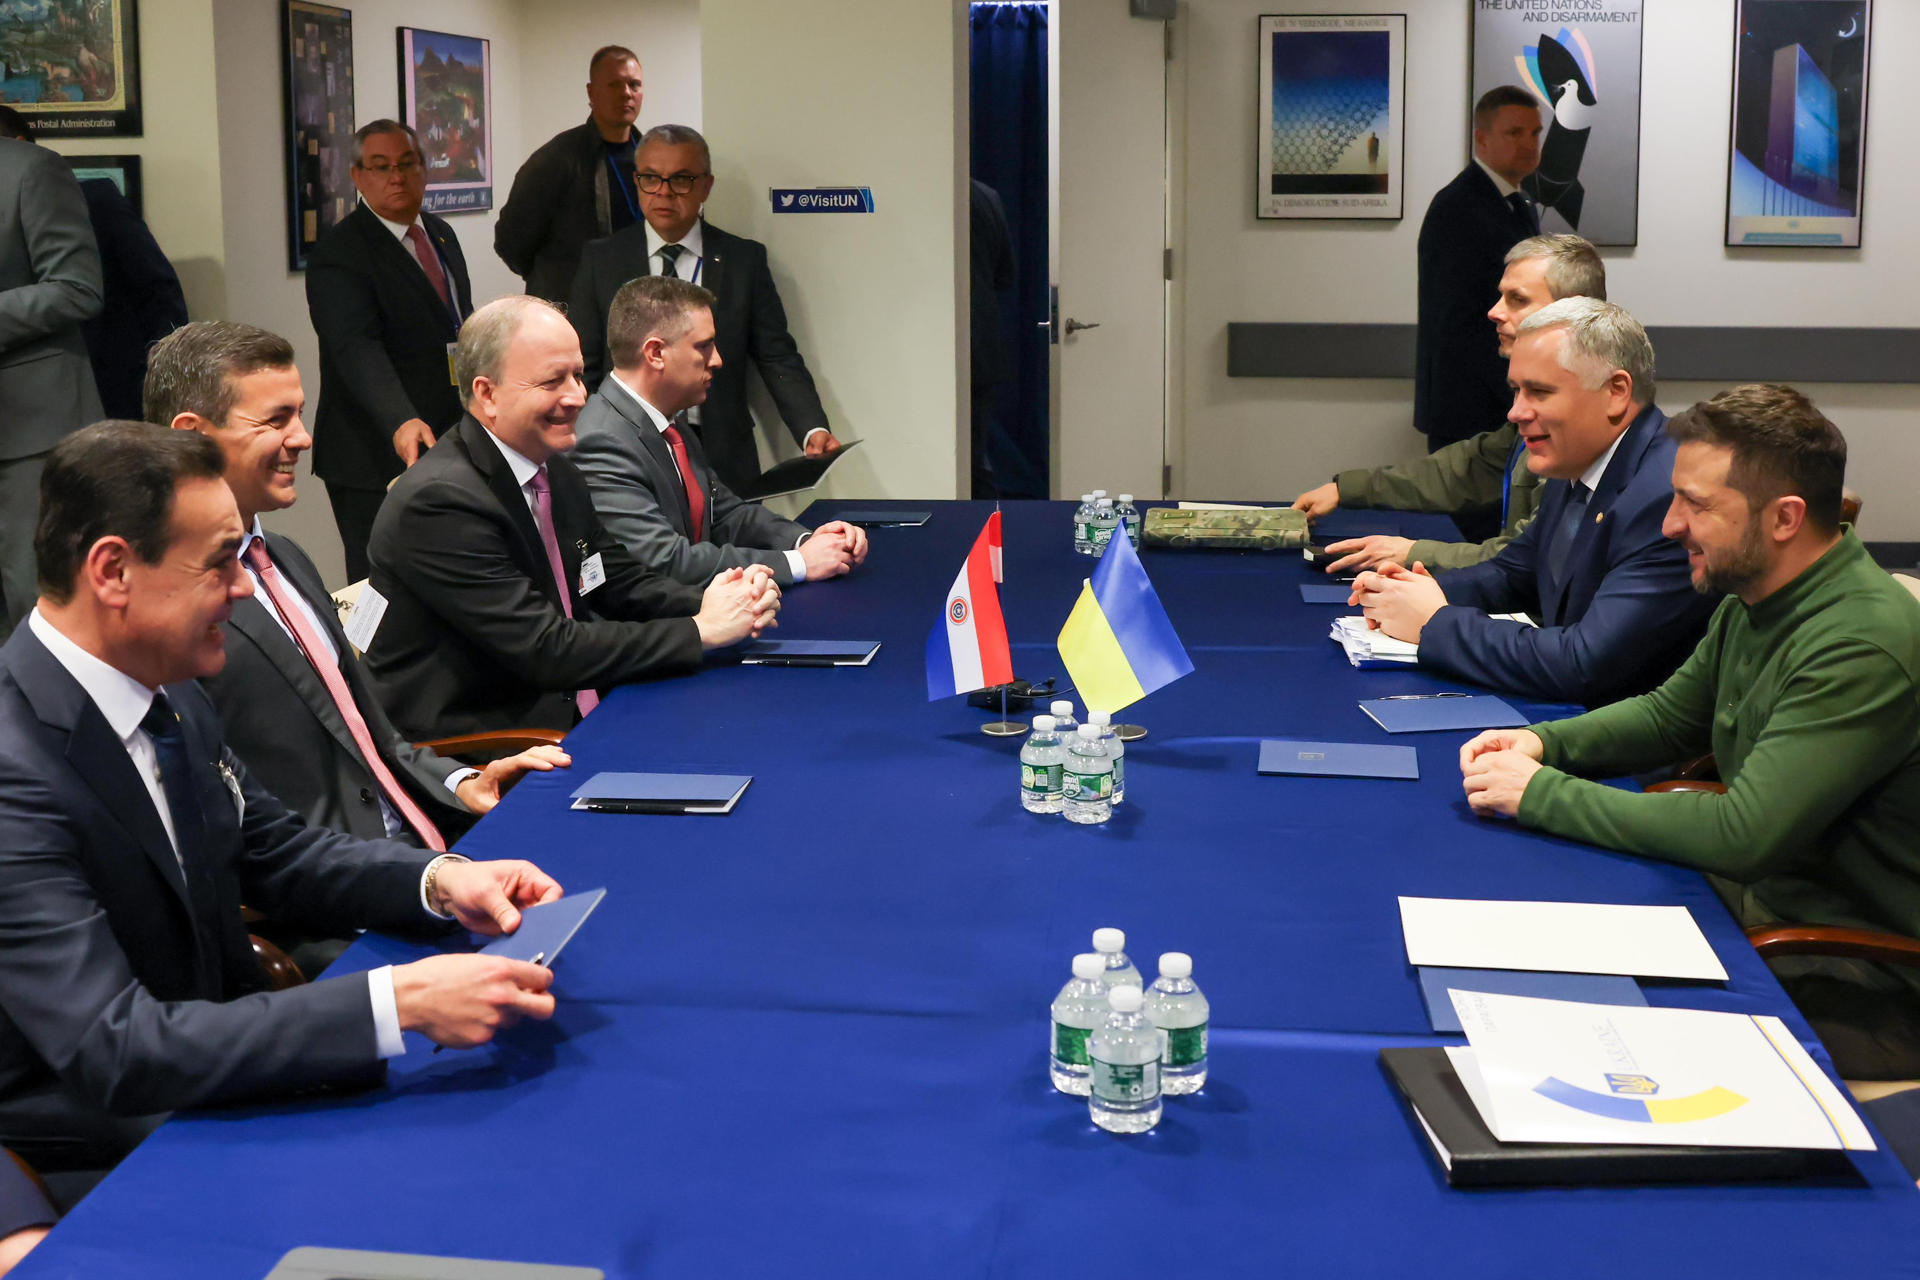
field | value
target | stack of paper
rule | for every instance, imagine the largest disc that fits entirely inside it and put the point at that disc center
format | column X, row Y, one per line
column 1366, row 648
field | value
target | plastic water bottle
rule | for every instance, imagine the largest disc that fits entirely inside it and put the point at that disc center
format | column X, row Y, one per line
column 1077, row 1010
column 1125, row 510
column 1088, row 782
column 1110, row 945
column 1178, row 1009
column 1063, row 722
column 1083, row 526
column 1124, row 1056
column 1042, row 769
column 1116, row 750
column 1104, row 523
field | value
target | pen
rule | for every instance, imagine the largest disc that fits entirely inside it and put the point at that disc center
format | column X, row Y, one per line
column 1420, row 697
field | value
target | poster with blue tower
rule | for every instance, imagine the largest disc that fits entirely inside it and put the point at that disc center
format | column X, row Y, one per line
column 1332, row 116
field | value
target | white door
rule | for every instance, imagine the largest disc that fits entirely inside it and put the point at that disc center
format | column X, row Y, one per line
column 1108, row 237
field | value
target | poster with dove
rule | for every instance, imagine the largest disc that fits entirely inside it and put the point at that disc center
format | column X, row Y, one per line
column 1583, row 64
column 1332, row 141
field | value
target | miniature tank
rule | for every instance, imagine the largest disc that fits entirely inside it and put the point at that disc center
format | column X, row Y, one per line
column 1262, row 529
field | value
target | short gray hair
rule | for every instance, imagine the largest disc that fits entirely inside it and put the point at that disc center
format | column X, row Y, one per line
column 648, row 307
column 1574, row 269
column 1601, row 338
column 487, row 334
column 373, row 129
column 679, row 135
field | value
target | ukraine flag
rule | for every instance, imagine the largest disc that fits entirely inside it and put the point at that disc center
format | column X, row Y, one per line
column 1118, row 644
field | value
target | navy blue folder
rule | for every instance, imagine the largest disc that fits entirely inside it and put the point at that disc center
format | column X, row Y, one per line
column 661, row 792
column 1430, row 713
column 809, row 653
column 1585, row 988
column 1338, row 759
column 878, row 519
column 545, row 929
column 1327, row 593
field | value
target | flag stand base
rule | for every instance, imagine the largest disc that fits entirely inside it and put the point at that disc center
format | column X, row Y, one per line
column 1129, row 732
column 1003, row 728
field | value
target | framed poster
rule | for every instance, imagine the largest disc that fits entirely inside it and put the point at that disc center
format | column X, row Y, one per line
column 1585, row 70
column 446, row 95
column 1332, row 115
column 1797, row 167
column 72, row 68
column 316, row 58
column 122, row 171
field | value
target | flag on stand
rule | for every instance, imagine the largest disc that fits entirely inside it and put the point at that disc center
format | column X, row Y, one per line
column 1118, row 644
column 967, row 648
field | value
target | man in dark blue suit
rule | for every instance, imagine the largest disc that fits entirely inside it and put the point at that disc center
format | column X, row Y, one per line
column 130, row 835
column 1613, row 596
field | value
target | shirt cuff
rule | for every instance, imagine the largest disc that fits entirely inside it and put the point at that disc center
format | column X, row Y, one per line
column 457, row 777
column 386, row 1013
column 796, row 563
column 817, row 431
column 425, row 873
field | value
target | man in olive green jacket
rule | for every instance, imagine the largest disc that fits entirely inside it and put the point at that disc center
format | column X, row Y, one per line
column 1485, row 473
column 1807, row 690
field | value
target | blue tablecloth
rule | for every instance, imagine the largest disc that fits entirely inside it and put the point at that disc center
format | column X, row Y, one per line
column 808, row 1038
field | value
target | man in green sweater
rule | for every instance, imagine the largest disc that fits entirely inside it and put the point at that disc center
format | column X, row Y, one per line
column 1487, row 473
column 1806, row 689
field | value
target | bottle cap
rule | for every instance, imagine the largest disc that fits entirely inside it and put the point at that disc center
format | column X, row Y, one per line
column 1089, row 965
column 1089, row 732
column 1086, row 497
column 1043, row 724
column 1176, row 964
column 1099, row 493
column 1124, row 999
column 1100, row 717
column 1109, row 941
column 1126, row 497
column 1103, row 502
column 1063, row 708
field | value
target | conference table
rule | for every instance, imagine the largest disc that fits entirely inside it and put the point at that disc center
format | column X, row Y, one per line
column 809, row 1038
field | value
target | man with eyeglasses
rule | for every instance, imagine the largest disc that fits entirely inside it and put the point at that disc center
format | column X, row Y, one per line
column 674, row 174
column 387, row 289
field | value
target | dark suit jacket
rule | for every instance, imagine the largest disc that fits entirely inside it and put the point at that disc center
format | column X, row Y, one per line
column 127, row 988
column 1623, row 619
column 49, row 284
column 750, row 328
column 383, row 344
column 637, row 490
column 143, row 299
column 561, row 198
column 1459, row 379
column 283, row 723
column 474, row 637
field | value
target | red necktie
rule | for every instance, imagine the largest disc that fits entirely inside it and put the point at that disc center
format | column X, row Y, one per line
column 316, row 650
column 585, row 699
column 696, row 496
column 429, row 263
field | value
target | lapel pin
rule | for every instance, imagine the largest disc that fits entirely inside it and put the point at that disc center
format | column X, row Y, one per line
column 1598, row 516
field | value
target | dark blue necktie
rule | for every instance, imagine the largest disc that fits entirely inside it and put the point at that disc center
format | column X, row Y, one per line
column 162, row 725
column 1529, row 215
column 1566, row 532
column 670, row 254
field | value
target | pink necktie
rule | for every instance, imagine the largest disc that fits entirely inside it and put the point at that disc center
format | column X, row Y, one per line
column 316, row 650
column 586, row 699
column 429, row 263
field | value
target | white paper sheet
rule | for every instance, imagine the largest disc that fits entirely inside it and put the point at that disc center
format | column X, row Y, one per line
column 1558, row 937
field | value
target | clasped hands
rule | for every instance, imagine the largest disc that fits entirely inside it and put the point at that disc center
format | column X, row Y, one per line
column 1398, row 600
column 833, row 549
column 462, row 1000
column 1496, row 767
column 737, row 604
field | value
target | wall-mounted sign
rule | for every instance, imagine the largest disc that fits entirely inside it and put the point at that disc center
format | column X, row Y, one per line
column 821, row 199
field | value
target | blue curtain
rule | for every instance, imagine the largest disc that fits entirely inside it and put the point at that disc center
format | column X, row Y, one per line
column 1009, row 118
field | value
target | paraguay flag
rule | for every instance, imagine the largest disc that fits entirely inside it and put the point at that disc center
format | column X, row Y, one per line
column 967, row 648
column 1118, row 645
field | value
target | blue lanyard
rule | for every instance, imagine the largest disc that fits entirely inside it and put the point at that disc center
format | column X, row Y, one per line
column 625, row 193
column 1506, row 480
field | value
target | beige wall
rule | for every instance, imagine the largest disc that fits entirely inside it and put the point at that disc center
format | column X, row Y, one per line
column 1270, row 438
column 876, row 97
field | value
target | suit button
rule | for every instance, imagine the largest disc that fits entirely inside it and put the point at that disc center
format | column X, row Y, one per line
column 366, row 795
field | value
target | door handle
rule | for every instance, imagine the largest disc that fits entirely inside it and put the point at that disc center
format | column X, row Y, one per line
column 1075, row 326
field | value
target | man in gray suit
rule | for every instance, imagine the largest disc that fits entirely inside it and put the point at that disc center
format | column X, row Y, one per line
column 49, row 283
column 650, row 478
column 296, row 701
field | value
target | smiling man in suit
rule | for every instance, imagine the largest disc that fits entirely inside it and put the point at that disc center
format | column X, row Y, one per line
column 675, row 176
column 650, row 479
column 508, row 602
column 130, row 835
column 298, row 707
column 1613, row 597
column 387, row 289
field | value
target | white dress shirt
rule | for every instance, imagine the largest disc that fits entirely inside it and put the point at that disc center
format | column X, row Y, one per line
column 1506, row 188
column 124, row 702
column 400, row 230
column 523, row 468
column 1592, row 475
column 795, row 562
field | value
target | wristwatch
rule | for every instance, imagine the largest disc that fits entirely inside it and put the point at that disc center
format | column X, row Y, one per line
column 430, row 888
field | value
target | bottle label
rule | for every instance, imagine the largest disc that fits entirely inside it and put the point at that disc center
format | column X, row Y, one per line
column 1119, row 774
column 1128, row 1083
column 1070, row 1045
column 1042, row 779
column 1100, row 535
column 1083, row 532
column 1089, row 786
column 1184, row 1046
